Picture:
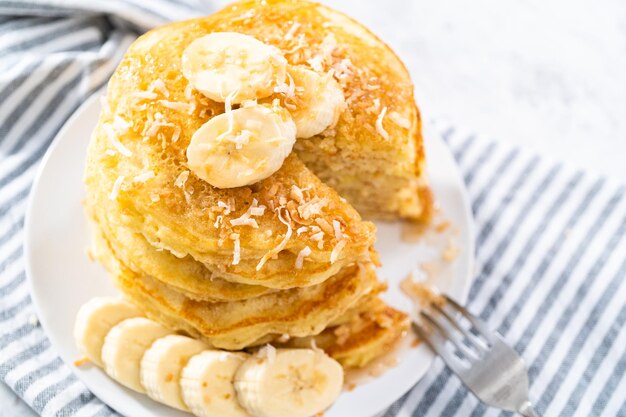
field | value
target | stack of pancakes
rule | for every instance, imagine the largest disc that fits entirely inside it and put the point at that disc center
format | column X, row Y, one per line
column 287, row 260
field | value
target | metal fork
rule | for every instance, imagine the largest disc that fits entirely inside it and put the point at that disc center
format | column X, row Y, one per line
column 491, row 369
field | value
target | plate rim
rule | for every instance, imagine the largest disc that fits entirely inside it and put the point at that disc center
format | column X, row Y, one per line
column 428, row 131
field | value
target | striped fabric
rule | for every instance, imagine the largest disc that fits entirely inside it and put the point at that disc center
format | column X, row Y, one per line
column 551, row 250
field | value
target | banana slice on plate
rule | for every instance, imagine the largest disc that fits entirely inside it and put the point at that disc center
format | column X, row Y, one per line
column 94, row 320
column 125, row 345
column 207, row 384
column 224, row 64
column 291, row 383
column 162, row 365
column 242, row 146
column 316, row 103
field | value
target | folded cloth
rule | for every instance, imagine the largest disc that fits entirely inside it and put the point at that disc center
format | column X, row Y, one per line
column 551, row 255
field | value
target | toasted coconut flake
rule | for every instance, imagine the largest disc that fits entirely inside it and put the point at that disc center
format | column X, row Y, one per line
column 334, row 255
column 181, row 179
column 112, row 135
column 145, row 176
column 301, row 255
column 312, row 207
column 379, row 124
column 319, row 238
column 292, row 31
column 159, row 86
column 282, row 244
column 316, row 63
column 218, row 221
column 175, row 105
column 236, row 249
column 176, row 134
column 324, row 225
column 267, row 352
column 337, row 228
column 226, row 207
column 189, row 92
column 253, row 210
column 145, row 95
column 398, row 119
column 296, row 193
column 301, row 230
column 116, row 188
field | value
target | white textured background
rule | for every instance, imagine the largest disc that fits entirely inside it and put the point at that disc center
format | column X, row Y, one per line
column 547, row 75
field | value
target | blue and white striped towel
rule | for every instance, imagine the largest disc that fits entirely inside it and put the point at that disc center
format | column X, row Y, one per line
column 551, row 245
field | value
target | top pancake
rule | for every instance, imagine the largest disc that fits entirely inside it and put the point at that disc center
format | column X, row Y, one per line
column 152, row 113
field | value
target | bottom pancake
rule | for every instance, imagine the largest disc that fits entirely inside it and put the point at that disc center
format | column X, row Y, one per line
column 362, row 338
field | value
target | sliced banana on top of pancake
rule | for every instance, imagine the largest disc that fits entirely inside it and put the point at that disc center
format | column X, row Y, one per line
column 289, row 383
column 314, row 100
column 224, row 64
column 242, row 146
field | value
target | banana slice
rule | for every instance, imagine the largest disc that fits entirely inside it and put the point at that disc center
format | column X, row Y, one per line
column 224, row 64
column 125, row 345
column 162, row 365
column 291, row 383
column 207, row 384
column 317, row 101
column 242, row 146
column 94, row 320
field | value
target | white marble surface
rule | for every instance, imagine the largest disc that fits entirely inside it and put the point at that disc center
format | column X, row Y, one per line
column 550, row 76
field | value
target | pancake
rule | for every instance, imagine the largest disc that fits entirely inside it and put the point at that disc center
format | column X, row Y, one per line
column 362, row 336
column 235, row 325
column 286, row 256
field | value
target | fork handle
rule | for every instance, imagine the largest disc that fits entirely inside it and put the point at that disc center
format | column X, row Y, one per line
column 527, row 410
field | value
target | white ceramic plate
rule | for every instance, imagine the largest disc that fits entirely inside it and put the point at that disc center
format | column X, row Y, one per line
column 62, row 278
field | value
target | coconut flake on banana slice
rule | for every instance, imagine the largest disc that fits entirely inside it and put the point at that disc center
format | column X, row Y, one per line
column 242, row 146
column 224, row 64
column 314, row 100
column 288, row 383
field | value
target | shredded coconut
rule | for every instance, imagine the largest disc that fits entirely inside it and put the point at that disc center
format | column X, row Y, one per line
column 288, row 89
column 324, row 225
column 189, row 92
column 112, row 134
column 145, row 95
column 181, row 179
column 282, row 244
column 292, row 31
column 268, row 351
column 301, row 255
column 176, row 134
column 143, row 177
column 296, row 193
column 159, row 86
column 319, row 238
column 253, row 210
column 116, row 188
column 152, row 128
column 400, row 120
column 379, row 124
column 301, row 230
column 227, row 208
column 316, row 63
column 175, row 105
column 312, row 207
column 218, row 221
column 337, row 227
column 236, row 249
column 337, row 251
